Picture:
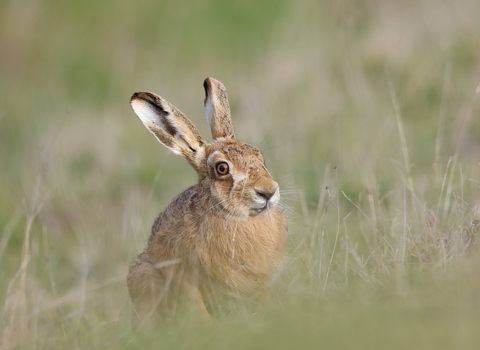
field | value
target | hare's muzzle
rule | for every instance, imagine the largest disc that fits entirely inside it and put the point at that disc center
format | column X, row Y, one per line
column 267, row 195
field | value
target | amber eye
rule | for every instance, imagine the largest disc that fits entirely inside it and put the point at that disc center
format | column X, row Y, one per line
column 222, row 168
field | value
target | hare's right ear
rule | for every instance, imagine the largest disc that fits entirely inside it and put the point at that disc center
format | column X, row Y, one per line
column 170, row 126
column 217, row 110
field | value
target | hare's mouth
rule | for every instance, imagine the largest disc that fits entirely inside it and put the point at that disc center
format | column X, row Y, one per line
column 257, row 211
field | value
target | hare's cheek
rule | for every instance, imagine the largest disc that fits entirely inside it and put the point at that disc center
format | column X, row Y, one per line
column 224, row 188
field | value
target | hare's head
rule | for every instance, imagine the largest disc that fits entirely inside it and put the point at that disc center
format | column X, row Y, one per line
column 233, row 178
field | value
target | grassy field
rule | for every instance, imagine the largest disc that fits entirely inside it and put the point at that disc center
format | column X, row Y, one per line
column 368, row 116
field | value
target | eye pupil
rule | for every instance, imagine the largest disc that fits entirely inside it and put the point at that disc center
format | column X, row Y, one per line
column 222, row 168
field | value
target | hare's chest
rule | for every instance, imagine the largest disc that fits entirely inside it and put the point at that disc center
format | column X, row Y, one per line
column 239, row 259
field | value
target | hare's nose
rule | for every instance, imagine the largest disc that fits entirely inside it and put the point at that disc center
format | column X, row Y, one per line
column 266, row 193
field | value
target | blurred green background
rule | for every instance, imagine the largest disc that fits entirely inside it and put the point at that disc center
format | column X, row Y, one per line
column 366, row 112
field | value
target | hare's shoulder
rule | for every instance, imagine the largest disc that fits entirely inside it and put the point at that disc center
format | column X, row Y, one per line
column 172, row 218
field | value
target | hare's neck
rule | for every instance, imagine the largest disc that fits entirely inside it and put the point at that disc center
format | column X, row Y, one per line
column 208, row 206
column 267, row 224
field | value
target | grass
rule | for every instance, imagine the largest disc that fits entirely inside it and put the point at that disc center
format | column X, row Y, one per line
column 367, row 114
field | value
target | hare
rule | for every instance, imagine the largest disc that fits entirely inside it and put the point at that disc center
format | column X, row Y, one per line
column 221, row 239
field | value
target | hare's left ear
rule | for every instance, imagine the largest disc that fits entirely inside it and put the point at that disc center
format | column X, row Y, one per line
column 170, row 126
column 217, row 110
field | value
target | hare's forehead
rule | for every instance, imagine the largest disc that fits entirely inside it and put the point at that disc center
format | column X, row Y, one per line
column 241, row 155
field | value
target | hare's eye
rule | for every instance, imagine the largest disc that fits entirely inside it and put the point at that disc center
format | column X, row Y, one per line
column 222, row 168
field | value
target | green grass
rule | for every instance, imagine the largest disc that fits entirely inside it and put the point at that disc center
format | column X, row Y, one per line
column 367, row 114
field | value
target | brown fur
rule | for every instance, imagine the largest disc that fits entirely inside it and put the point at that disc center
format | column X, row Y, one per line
column 220, row 239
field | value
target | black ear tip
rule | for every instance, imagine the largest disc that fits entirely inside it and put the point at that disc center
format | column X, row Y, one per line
column 134, row 96
column 142, row 95
column 207, row 85
column 147, row 97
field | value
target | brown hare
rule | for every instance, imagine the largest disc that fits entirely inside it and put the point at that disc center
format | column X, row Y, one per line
column 221, row 239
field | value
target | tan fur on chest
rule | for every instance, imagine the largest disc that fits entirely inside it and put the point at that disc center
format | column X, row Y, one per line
column 241, row 255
